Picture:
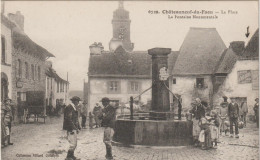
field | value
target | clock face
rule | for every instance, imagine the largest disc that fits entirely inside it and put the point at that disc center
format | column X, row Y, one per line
column 121, row 32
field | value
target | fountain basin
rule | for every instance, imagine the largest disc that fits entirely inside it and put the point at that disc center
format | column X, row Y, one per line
column 153, row 132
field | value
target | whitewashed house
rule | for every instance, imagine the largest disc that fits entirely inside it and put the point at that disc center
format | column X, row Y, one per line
column 57, row 89
column 240, row 63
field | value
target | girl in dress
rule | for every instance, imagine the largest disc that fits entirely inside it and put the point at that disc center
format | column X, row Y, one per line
column 214, row 124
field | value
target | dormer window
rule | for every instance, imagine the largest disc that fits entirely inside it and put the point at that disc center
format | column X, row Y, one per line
column 199, row 82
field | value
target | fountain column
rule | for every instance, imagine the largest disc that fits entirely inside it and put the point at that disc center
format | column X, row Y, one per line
column 160, row 109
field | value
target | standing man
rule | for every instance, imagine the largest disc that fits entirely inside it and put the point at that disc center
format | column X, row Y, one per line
column 179, row 107
column 71, row 124
column 84, row 113
column 7, row 118
column 108, row 121
column 256, row 109
column 233, row 114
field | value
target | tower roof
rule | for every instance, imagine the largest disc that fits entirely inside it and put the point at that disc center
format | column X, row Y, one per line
column 120, row 13
column 200, row 52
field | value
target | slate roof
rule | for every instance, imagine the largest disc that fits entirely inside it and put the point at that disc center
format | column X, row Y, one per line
column 200, row 52
column 227, row 61
column 252, row 48
column 229, row 56
column 124, row 64
column 22, row 41
column 50, row 72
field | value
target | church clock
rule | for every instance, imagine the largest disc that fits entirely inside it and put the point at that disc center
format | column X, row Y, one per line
column 121, row 33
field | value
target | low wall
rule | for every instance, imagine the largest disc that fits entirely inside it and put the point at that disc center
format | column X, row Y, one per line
column 151, row 132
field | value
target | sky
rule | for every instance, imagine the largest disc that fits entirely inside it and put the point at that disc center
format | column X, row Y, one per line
column 67, row 29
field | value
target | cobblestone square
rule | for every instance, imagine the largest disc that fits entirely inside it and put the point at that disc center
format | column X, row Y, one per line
column 48, row 141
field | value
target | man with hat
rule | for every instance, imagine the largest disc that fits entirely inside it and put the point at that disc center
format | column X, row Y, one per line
column 233, row 114
column 71, row 125
column 7, row 118
column 256, row 109
column 108, row 121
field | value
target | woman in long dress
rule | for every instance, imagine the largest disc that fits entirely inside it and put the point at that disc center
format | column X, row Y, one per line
column 223, row 116
column 198, row 111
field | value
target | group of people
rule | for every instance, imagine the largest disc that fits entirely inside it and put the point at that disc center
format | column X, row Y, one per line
column 71, row 124
column 208, row 125
column 6, row 121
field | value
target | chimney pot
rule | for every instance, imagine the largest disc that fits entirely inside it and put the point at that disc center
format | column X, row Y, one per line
column 237, row 46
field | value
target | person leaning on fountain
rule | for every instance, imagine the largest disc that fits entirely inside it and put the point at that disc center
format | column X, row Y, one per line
column 108, row 121
column 198, row 111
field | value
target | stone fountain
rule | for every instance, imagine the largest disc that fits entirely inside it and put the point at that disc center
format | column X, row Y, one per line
column 160, row 128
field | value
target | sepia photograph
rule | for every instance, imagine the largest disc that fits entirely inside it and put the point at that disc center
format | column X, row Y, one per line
column 129, row 80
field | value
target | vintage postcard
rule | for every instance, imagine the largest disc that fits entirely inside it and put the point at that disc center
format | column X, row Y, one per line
column 129, row 80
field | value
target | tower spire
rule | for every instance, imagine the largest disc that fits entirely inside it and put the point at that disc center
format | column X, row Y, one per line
column 121, row 4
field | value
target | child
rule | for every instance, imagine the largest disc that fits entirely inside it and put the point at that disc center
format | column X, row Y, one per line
column 205, row 135
column 214, row 124
column 91, row 118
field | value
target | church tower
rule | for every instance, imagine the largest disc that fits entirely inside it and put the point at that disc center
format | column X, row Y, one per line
column 121, row 29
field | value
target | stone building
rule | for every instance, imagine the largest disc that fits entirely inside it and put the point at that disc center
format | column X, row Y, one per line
column 192, row 74
column 28, row 63
column 57, row 89
column 6, row 57
column 239, row 68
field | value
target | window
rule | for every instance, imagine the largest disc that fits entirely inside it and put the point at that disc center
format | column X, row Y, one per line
column 3, row 49
column 21, row 96
column 19, row 68
column 39, row 73
column 58, row 87
column 199, row 82
column 35, row 72
column 48, row 83
column 174, row 81
column 26, row 70
column 32, row 69
column 134, row 87
column 61, row 87
column 244, row 77
column 51, row 83
column 57, row 101
column 113, row 87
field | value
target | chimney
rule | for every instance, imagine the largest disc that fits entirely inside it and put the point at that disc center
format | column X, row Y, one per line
column 96, row 48
column 237, row 46
column 18, row 19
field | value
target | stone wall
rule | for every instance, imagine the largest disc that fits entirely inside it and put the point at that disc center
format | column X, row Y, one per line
column 186, row 87
column 23, row 84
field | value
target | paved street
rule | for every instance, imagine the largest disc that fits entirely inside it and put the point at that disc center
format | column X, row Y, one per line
column 48, row 141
